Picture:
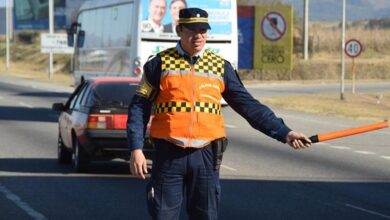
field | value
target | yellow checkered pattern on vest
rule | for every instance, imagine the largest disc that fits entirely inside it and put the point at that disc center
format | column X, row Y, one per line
column 205, row 107
column 208, row 63
column 172, row 60
column 172, row 107
column 208, row 107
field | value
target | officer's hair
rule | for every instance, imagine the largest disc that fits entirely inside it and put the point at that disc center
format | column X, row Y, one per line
column 180, row 26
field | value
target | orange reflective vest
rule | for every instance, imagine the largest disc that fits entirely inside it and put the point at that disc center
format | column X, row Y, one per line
column 188, row 110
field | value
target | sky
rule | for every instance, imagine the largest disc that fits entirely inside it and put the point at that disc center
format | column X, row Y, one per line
column 331, row 9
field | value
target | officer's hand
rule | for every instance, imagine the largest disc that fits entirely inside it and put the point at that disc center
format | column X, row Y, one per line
column 138, row 166
column 297, row 140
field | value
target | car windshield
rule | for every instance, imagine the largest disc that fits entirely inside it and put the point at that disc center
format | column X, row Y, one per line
column 114, row 93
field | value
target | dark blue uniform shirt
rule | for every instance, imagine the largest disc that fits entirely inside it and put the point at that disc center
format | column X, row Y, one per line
column 258, row 115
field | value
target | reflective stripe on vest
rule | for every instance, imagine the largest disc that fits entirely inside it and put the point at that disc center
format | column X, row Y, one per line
column 187, row 109
column 206, row 107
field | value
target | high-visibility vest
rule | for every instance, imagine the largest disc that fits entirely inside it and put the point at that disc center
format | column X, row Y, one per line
column 188, row 110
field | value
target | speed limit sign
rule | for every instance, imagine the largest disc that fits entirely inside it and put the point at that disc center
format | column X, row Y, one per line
column 353, row 48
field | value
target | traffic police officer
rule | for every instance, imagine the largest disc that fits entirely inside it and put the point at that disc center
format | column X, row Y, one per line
column 184, row 85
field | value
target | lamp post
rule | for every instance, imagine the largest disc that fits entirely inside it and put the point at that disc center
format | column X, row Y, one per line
column 306, row 30
column 342, row 53
column 51, row 31
column 8, row 31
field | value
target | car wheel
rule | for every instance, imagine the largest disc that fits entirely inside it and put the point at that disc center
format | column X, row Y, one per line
column 80, row 158
column 64, row 156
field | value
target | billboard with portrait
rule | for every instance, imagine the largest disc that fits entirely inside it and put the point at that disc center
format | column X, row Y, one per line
column 34, row 14
column 160, row 16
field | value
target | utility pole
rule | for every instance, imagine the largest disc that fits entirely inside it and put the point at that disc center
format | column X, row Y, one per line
column 51, row 31
column 306, row 30
column 342, row 53
column 8, row 30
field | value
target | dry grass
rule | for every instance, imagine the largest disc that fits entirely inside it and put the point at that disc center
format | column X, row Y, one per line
column 327, row 40
column 28, row 62
column 30, row 71
column 367, row 107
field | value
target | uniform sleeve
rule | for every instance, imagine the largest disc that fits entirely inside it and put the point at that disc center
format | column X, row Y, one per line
column 257, row 114
column 140, row 107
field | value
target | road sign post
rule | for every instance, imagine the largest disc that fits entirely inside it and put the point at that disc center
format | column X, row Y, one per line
column 353, row 49
column 342, row 70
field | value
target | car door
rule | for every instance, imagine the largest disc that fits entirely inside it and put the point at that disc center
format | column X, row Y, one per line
column 79, row 115
column 66, row 116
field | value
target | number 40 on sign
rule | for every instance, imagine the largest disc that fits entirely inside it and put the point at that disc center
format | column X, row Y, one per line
column 353, row 48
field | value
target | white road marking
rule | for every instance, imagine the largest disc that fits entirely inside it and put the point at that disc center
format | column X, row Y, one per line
column 228, row 168
column 322, row 143
column 385, row 157
column 230, row 126
column 368, row 211
column 17, row 201
column 340, row 147
column 26, row 105
column 382, row 132
column 364, row 152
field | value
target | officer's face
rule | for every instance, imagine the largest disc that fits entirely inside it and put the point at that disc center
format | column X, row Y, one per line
column 192, row 41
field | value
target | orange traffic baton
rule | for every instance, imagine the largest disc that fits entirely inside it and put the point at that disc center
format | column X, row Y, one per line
column 348, row 132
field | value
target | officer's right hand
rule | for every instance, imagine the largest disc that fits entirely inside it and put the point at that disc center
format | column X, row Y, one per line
column 138, row 166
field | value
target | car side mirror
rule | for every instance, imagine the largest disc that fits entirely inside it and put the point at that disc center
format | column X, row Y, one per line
column 58, row 107
column 80, row 38
column 70, row 36
column 71, row 31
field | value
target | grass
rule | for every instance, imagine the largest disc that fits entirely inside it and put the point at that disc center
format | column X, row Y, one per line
column 359, row 106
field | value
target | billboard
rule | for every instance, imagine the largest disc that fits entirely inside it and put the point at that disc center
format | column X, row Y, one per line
column 160, row 16
column 34, row 14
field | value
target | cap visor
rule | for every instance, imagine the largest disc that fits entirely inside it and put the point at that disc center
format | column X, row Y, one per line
column 194, row 26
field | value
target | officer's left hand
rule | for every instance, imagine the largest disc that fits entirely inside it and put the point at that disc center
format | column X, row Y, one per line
column 297, row 140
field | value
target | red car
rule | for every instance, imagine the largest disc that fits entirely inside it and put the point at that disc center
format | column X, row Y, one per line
column 92, row 123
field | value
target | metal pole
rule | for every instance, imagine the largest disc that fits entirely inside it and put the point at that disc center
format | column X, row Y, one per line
column 51, row 31
column 11, row 20
column 306, row 31
column 7, row 27
column 353, row 76
column 342, row 53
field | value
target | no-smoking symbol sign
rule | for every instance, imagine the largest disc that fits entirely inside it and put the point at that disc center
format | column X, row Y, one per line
column 273, row 26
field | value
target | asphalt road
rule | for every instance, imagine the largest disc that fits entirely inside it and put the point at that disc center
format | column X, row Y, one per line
column 261, row 178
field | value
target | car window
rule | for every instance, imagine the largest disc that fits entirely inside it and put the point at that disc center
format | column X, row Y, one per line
column 75, row 103
column 113, row 93
column 86, row 95
column 73, row 96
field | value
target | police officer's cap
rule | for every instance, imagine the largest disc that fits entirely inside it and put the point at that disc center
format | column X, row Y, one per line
column 193, row 18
